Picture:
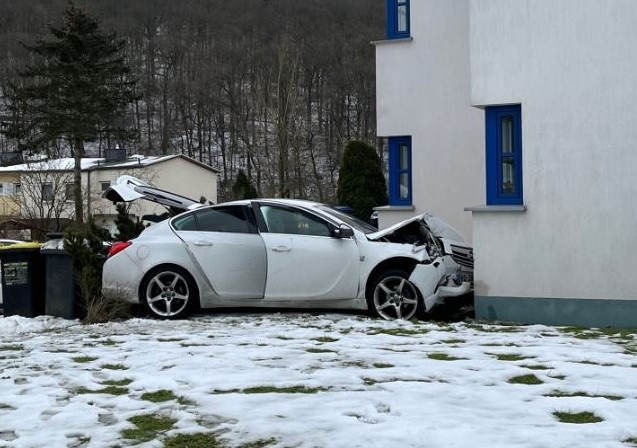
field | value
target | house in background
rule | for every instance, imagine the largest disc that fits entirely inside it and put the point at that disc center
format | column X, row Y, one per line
column 44, row 190
column 553, row 87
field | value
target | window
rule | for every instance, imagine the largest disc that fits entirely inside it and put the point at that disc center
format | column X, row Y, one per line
column 397, row 19
column 17, row 188
column 294, row 222
column 105, row 185
column 230, row 219
column 223, row 219
column 47, row 192
column 69, row 192
column 400, row 171
column 503, row 129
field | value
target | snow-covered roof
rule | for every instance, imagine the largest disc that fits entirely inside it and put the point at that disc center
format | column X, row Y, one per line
column 89, row 163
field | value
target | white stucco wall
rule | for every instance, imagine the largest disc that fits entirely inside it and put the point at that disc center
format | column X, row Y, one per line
column 423, row 90
column 572, row 64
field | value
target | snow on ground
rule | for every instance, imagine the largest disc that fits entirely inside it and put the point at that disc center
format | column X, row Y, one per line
column 304, row 380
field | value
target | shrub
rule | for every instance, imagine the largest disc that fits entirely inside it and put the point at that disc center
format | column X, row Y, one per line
column 361, row 182
column 85, row 244
column 243, row 188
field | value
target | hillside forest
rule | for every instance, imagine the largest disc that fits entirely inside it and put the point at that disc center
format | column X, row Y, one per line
column 276, row 88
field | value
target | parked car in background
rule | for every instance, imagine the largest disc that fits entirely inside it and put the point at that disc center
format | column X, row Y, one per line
column 282, row 253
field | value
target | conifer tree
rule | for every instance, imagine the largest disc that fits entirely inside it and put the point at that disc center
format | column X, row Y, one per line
column 77, row 88
column 243, row 188
column 361, row 183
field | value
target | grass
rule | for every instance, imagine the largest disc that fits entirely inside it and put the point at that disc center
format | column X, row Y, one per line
column 577, row 417
column 114, row 367
column 84, row 359
column 170, row 339
column 454, row 341
column 282, row 390
column 510, row 356
column 398, row 331
column 14, row 347
column 325, row 339
column 199, row 440
column 535, row 367
column 159, row 396
column 632, row 441
column 124, row 382
column 319, row 350
column 442, row 357
column 593, row 363
column 561, row 394
column 109, row 342
column 148, row 427
column 110, row 390
column 529, row 379
column 382, row 365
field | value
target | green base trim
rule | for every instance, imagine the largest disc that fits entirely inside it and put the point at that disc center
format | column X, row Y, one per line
column 549, row 311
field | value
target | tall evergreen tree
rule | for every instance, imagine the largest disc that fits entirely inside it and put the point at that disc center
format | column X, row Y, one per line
column 361, row 183
column 77, row 88
column 243, row 188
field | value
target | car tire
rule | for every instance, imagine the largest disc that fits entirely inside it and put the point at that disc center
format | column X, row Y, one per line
column 168, row 292
column 392, row 296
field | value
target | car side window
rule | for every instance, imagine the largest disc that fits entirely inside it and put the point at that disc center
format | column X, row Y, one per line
column 223, row 219
column 187, row 222
column 294, row 222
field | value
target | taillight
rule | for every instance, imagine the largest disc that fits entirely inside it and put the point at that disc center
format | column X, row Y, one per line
column 117, row 247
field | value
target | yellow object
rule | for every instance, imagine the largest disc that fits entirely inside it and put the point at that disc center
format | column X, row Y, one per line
column 25, row 245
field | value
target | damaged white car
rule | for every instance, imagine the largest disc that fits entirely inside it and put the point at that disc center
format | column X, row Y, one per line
column 282, row 253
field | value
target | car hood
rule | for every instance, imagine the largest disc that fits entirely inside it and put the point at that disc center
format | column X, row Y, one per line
column 437, row 226
column 128, row 188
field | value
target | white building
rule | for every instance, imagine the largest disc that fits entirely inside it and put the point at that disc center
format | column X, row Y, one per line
column 549, row 132
column 43, row 190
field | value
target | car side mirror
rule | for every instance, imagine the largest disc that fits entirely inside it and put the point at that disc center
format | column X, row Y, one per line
column 343, row 231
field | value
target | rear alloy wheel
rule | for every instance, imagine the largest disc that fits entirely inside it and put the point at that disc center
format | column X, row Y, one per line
column 169, row 293
column 393, row 296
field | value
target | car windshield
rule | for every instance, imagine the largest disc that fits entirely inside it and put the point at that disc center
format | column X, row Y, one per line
column 350, row 220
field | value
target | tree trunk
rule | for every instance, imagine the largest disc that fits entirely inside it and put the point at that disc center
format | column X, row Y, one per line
column 78, row 152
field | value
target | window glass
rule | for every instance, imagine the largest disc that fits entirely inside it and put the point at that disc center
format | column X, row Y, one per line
column 404, row 156
column 402, row 18
column 187, row 222
column 294, row 222
column 404, row 186
column 508, row 175
column 47, row 192
column 17, row 188
column 105, row 185
column 69, row 192
column 223, row 219
column 506, row 125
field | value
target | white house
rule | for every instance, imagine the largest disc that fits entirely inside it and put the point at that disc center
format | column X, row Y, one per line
column 44, row 190
column 553, row 87
column 435, row 141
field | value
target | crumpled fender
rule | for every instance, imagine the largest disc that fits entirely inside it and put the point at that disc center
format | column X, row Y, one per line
column 427, row 277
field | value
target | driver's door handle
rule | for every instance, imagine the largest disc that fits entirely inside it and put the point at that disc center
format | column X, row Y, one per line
column 203, row 243
column 282, row 249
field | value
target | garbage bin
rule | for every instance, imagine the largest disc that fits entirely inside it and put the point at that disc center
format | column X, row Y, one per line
column 61, row 293
column 22, row 279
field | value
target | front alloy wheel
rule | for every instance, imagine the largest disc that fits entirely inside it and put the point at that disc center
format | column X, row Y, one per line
column 168, row 293
column 395, row 297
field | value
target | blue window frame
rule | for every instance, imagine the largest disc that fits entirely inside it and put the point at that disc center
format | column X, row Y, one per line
column 503, row 129
column 399, row 170
column 397, row 19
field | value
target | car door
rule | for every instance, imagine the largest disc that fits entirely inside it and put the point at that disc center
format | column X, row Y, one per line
column 304, row 260
column 226, row 247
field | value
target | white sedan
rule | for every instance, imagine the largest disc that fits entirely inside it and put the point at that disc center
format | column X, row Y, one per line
column 282, row 253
